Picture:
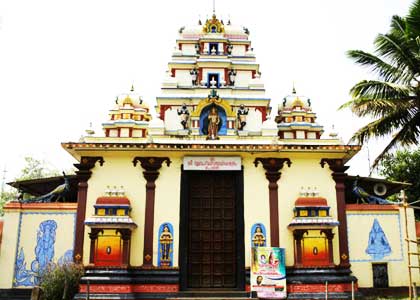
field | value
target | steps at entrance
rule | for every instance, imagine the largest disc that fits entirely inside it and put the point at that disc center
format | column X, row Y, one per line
column 212, row 295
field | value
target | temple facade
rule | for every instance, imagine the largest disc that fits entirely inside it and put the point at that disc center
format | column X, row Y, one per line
column 173, row 202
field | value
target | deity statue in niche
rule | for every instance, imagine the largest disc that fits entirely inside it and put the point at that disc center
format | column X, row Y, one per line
column 166, row 240
column 258, row 238
column 241, row 114
column 213, row 83
column 232, row 77
column 194, row 76
column 213, row 124
column 378, row 245
column 184, row 113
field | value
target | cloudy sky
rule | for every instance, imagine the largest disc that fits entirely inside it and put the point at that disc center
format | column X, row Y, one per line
column 63, row 62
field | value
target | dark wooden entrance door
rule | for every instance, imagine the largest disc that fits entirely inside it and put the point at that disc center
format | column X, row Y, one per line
column 212, row 230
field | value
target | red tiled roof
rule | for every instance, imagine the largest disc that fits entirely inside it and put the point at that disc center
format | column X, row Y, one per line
column 311, row 201
column 113, row 200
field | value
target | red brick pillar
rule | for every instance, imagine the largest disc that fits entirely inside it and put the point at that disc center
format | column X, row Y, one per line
column 272, row 167
column 151, row 165
column 83, row 175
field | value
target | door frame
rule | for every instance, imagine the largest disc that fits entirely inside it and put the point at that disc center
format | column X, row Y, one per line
column 183, row 228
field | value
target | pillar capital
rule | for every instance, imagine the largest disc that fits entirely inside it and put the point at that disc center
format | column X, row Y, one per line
column 272, row 165
column 151, row 163
column 336, row 165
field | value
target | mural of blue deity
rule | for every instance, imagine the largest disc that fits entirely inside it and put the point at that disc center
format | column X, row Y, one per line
column 166, row 241
column 378, row 246
column 218, row 123
column 258, row 235
column 44, row 254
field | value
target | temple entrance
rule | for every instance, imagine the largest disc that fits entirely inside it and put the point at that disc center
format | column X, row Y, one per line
column 212, row 242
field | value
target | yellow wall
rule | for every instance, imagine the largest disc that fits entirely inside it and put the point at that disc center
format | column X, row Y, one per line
column 256, row 206
column 8, row 248
column 118, row 170
column 393, row 225
column 303, row 172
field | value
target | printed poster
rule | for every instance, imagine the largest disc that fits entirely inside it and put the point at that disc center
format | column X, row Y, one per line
column 268, row 272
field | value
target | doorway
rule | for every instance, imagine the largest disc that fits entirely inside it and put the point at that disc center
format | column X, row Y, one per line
column 212, row 230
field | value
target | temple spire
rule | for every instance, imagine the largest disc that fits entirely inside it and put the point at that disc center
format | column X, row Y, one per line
column 293, row 89
column 214, row 7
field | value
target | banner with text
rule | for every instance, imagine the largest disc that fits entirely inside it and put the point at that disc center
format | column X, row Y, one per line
column 212, row 163
column 268, row 272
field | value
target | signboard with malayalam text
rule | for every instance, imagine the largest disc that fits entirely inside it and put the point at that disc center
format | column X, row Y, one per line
column 212, row 163
column 268, row 272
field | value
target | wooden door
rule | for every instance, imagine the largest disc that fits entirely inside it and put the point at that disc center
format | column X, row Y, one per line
column 212, row 250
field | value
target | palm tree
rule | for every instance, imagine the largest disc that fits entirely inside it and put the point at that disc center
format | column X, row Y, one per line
column 393, row 100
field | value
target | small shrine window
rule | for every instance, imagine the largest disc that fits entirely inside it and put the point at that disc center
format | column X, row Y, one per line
column 214, row 48
column 213, row 29
column 213, row 80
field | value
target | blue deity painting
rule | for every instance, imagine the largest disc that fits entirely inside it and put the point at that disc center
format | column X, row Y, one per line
column 258, row 235
column 66, row 258
column 378, row 246
column 44, row 254
column 165, row 258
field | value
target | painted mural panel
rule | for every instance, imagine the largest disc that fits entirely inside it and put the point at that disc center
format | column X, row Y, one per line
column 374, row 237
column 43, row 238
column 258, row 235
column 166, row 238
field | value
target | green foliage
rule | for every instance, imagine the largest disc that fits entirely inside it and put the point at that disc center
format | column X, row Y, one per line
column 35, row 168
column 5, row 197
column 61, row 282
column 393, row 100
column 404, row 166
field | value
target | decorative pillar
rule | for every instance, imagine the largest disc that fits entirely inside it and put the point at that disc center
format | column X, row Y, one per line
column 151, row 165
column 126, row 238
column 93, row 235
column 338, row 174
column 83, row 175
column 272, row 167
column 329, row 235
column 298, row 236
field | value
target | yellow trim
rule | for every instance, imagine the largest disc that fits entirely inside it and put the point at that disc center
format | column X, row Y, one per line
column 209, row 101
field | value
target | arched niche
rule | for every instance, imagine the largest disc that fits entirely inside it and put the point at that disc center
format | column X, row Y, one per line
column 204, row 119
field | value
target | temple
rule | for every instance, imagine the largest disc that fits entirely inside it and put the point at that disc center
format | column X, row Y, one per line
column 170, row 200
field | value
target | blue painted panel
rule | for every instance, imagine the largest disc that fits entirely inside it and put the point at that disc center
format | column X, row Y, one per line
column 378, row 245
column 258, row 235
column 166, row 244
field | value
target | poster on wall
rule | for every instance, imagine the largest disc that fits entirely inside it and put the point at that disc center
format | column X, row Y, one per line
column 268, row 272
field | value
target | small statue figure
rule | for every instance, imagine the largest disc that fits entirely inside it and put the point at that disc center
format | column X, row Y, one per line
column 213, row 124
column 258, row 238
column 213, row 83
column 232, row 77
column 229, row 49
column 185, row 115
column 194, row 76
column 213, row 50
column 197, row 48
column 242, row 113
column 165, row 246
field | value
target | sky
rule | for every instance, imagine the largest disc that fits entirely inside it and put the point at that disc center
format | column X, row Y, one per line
column 63, row 62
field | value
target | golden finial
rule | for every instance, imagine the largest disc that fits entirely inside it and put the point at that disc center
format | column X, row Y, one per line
column 132, row 88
